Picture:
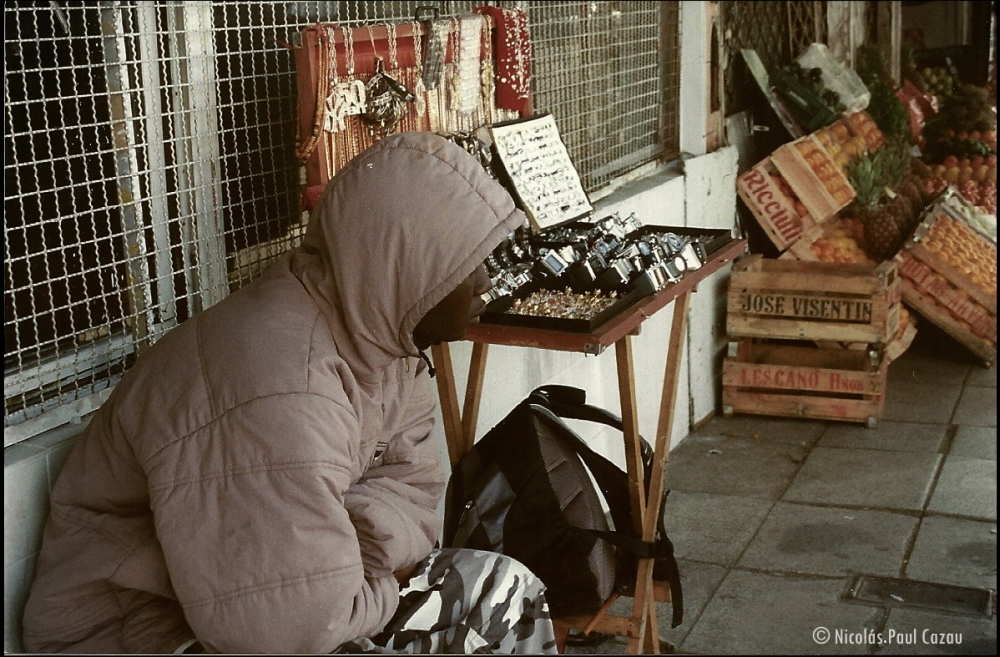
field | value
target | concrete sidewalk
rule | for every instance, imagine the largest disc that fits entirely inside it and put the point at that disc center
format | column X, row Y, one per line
column 774, row 520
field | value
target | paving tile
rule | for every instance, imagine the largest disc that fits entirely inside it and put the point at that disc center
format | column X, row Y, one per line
column 734, row 466
column 830, row 541
column 966, row 487
column 917, row 402
column 864, row 478
column 699, row 581
column 758, row 613
column 977, row 406
column 955, row 551
column 975, row 442
column 712, row 528
column 889, row 435
column 982, row 376
column 912, row 632
column 756, row 427
column 927, row 369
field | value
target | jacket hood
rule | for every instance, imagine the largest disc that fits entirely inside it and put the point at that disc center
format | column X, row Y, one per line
column 394, row 232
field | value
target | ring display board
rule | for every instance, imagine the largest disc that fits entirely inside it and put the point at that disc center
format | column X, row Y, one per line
column 541, row 173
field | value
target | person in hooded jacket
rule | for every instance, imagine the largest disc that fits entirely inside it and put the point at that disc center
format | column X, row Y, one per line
column 263, row 479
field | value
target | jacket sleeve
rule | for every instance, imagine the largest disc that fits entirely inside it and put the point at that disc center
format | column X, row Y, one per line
column 261, row 551
column 394, row 505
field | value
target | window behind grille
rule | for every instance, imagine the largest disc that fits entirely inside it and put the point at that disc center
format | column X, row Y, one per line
column 149, row 166
column 610, row 74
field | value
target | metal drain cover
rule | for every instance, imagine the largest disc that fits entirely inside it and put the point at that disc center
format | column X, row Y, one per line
column 892, row 592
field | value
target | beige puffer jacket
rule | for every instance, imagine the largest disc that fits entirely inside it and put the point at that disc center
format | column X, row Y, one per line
column 258, row 475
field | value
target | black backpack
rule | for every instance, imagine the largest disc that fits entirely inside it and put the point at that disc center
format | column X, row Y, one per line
column 523, row 490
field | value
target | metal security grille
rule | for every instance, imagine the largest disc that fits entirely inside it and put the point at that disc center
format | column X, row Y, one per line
column 778, row 31
column 149, row 160
column 610, row 74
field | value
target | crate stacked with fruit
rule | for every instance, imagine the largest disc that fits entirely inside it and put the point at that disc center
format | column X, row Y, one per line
column 837, row 239
column 813, row 176
column 841, row 143
column 778, row 209
column 949, row 274
column 788, row 322
column 975, row 179
column 960, row 147
column 864, row 126
column 934, row 80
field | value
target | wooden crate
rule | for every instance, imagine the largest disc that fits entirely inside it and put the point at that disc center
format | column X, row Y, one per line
column 780, row 213
column 800, row 380
column 957, row 295
column 835, row 230
column 864, row 126
column 814, row 177
column 794, row 300
column 841, row 244
column 841, row 142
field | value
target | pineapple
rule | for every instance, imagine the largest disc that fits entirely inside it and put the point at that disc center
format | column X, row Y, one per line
column 912, row 188
column 883, row 236
column 898, row 164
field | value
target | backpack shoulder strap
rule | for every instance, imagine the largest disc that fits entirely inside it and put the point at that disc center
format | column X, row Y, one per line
column 570, row 402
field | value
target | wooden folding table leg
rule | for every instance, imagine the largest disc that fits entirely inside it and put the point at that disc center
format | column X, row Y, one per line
column 661, row 451
column 637, row 489
column 473, row 394
column 450, row 413
column 665, row 422
column 651, row 645
column 630, row 429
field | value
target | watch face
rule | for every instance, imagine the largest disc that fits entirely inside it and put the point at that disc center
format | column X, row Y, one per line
column 680, row 263
column 554, row 262
column 691, row 258
column 671, row 243
column 672, row 273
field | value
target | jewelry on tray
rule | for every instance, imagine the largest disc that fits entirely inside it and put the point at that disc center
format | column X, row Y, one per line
column 565, row 304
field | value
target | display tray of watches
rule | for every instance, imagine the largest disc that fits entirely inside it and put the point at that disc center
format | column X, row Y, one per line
column 579, row 275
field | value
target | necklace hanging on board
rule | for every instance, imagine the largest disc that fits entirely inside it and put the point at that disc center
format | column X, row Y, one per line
column 347, row 97
column 386, row 97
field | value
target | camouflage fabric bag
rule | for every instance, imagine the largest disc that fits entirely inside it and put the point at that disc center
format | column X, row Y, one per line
column 527, row 490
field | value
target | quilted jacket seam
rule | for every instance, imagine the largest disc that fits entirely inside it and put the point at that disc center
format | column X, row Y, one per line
column 270, row 586
column 220, row 416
